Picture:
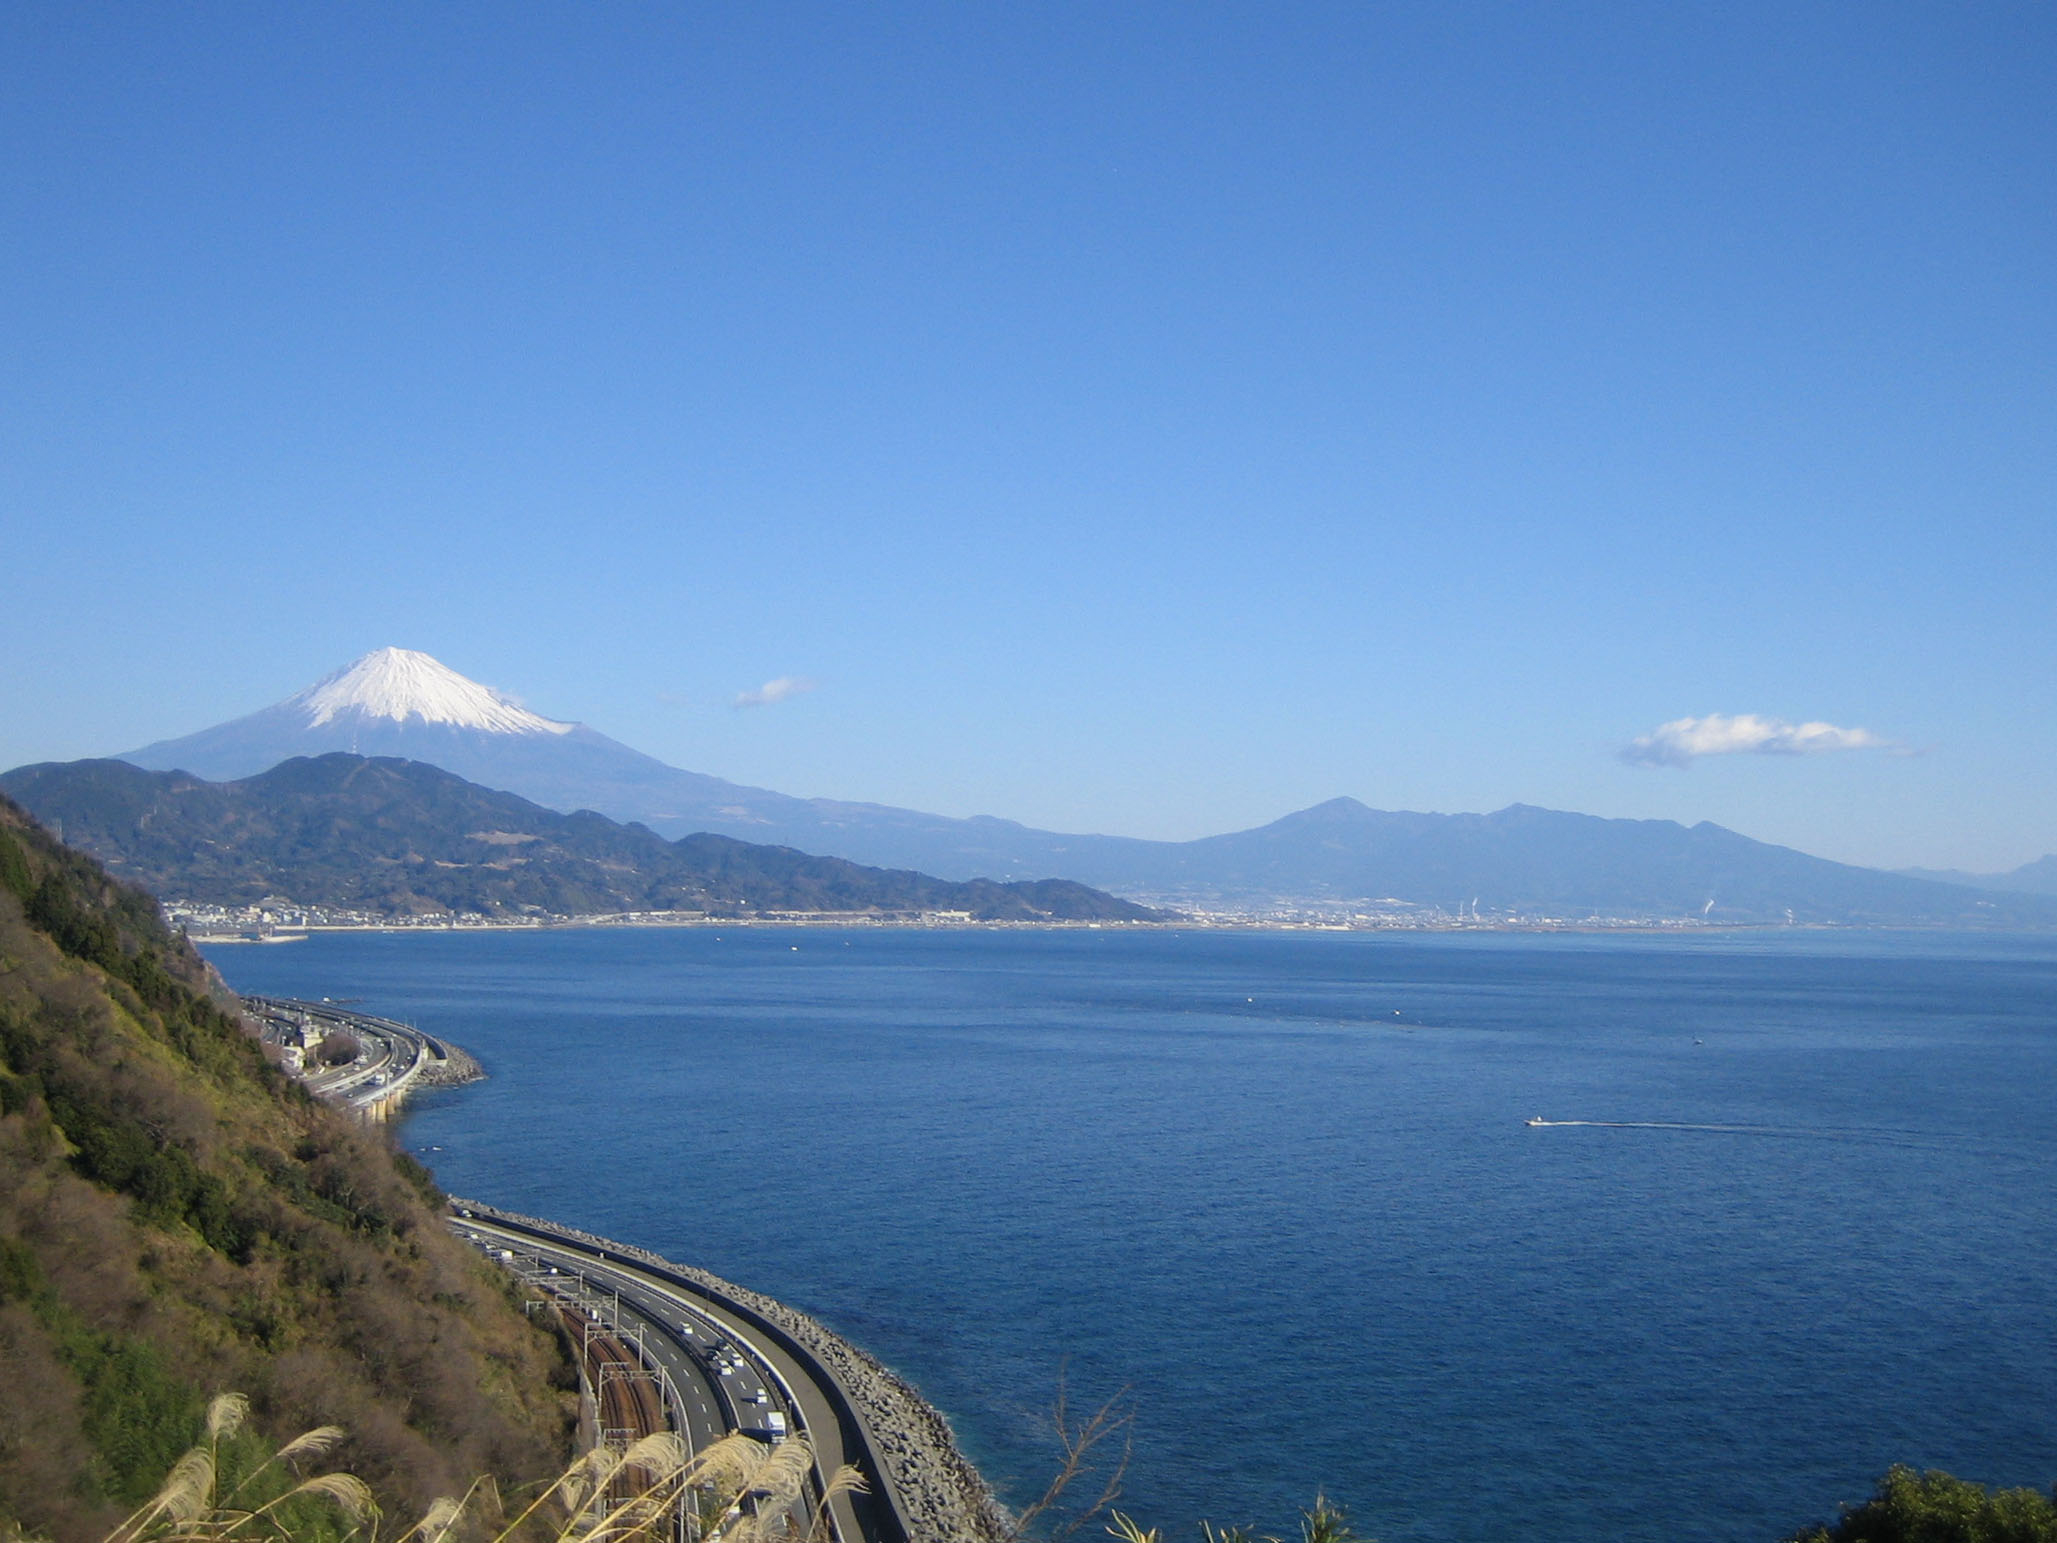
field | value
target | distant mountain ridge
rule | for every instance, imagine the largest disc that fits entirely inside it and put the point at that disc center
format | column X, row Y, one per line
column 2036, row 878
column 403, row 837
column 1544, row 862
column 1518, row 860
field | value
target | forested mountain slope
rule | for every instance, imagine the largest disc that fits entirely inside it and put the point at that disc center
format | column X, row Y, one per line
column 177, row 1219
column 404, row 837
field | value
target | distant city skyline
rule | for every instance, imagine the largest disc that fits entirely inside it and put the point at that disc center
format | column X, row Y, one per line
column 1147, row 422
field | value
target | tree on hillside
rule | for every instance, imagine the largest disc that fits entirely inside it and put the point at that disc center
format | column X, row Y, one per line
column 339, row 1049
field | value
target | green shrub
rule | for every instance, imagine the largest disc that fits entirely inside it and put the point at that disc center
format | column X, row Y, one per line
column 14, row 868
column 1934, row 1507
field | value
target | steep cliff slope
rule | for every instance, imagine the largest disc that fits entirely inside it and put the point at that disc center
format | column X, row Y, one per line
column 178, row 1219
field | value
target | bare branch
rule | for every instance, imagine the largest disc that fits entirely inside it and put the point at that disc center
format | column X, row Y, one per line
column 1077, row 1444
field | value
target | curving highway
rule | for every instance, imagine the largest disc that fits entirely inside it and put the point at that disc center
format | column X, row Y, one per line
column 718, row 1371
column 393, row 1058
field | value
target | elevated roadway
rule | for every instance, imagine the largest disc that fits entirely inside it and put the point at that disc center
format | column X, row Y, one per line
column 393, row 1059
column 722, row 1368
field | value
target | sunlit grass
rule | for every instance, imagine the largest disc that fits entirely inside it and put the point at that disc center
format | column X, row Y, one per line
column 737, row 1490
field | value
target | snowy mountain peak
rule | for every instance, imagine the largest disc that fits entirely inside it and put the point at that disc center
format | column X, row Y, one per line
column 400, row 684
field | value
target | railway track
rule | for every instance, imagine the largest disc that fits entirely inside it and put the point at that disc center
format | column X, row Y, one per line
column 627, row 1397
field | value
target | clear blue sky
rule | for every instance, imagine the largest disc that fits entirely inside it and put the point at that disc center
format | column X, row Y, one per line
column 1136, row 418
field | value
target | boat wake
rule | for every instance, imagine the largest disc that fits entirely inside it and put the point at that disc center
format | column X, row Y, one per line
column 1763, row 1130
column 1832, row 1133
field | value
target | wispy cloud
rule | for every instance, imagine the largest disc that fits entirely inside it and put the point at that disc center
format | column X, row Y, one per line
column 1684, row 740
column 774, row 691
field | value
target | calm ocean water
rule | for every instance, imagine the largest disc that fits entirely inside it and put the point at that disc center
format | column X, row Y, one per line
column 1280, row 1187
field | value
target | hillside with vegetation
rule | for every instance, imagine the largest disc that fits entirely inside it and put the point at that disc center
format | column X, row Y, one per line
column 177, row 1218
column 403, row 838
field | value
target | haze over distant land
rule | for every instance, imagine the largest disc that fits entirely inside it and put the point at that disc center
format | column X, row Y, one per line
column 1527, row 861
column 1139, row 419
column 2036, row 878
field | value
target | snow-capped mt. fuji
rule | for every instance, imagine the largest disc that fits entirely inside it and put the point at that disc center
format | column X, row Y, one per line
column 400, row 684
column 395, row 701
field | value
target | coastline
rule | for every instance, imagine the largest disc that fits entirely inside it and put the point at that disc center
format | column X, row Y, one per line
column 937, row 1493
column 253, row 934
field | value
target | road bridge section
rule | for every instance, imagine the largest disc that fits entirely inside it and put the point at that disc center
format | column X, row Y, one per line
column 392, row 1060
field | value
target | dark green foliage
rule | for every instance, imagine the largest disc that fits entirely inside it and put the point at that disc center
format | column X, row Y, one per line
column 14, row 868
column 293, row 1179
column 364, row 1200
column 246, row 1471
column 122, row 1153
column 139, row 1414
column 1933, row 1507
column 20, row 1279
column 424, row 1182
column 401, row 838
column 115, row 927
column 16, row 1092
column 118, row 1135
column 54, row 908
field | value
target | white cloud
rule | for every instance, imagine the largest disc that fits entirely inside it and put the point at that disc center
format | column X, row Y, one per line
column 1683, row 740
column 774, row 691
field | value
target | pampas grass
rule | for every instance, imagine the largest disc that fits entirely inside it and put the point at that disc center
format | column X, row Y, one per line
column 737, row 1490
column 188, row 1509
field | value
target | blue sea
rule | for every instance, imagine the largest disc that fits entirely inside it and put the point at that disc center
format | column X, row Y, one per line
column 1278, row 1190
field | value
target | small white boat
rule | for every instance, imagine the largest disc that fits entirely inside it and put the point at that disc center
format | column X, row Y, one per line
column 1538, row 1120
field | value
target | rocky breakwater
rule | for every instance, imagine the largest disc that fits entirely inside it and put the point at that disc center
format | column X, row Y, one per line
column 938, row 1494
column 453, row 1068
